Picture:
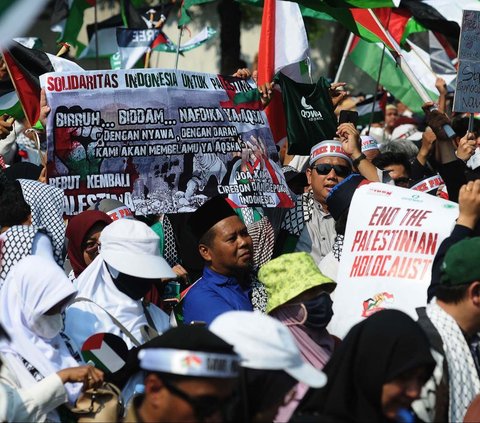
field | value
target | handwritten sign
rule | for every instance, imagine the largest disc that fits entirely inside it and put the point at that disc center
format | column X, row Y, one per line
column 467, row 93
column 391, row 239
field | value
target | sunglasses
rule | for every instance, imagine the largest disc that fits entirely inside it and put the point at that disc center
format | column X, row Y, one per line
column 326, row 168
column 204, row 405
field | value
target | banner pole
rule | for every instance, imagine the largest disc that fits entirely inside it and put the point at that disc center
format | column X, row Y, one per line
column 178, row 47
column 377, row 84
column 97, row 59
column 146, row 65
column 471, row 122
column 344, row 57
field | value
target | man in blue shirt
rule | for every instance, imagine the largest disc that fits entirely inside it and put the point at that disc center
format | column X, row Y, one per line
column 227, row 249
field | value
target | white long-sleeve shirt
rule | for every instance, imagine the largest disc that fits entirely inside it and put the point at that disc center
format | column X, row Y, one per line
column 31, row 404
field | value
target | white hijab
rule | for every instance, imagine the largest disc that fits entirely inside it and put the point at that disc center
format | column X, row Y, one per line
column 33, row 286
column 96, row 284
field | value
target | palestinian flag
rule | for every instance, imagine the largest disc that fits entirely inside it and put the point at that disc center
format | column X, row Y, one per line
column 25, row 66
column 367, row 56
column 283, row 45
column 376, row 104
column 130, row 17
column 107, row 351
column 444, row 17
column 9, row 103
column 399, row 23
column 201, row 38
column 67, row 19
column 134, row 43
column 364, row 4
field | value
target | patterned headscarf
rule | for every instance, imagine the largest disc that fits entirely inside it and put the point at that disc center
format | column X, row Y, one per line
column 46, row 202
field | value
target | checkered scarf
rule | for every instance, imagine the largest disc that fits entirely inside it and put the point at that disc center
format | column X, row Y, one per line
column 299, row 215
column 338, row 246
column 17, row 245
column 464, row 383
column 263, row 238
column 46, row 202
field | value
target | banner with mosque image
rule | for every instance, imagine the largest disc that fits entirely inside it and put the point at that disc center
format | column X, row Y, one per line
column 391, row 240
column 160, row 141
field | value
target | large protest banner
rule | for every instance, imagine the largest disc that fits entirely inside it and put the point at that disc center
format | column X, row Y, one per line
column 161, row 141
column 391, row 239
column 467, row 93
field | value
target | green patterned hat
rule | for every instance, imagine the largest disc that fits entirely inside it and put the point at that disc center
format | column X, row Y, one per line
column 289, row 275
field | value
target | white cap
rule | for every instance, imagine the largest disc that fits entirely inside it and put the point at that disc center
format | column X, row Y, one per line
column 368, row 143
column 406, row 131
column 131, row 247
column 264, row 343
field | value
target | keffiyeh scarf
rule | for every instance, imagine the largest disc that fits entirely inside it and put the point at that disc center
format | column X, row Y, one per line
column 464, row 383
column 46, row 202
column 299, row 215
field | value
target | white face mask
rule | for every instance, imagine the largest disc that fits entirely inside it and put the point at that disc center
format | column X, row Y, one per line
column 48, row 326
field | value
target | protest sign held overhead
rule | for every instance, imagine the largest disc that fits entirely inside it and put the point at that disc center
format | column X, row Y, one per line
column 160, row 141
column 391, row 239
column 467, row 93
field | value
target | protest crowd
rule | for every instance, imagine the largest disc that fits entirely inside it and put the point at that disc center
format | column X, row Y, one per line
column 255, row 247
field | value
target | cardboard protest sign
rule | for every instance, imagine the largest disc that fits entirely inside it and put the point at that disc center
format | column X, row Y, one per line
column 467, row 93
column 391, row 239
column 160, row 141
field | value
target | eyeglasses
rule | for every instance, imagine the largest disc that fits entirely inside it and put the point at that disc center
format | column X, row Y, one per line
column 204, row 405
column 326, row 168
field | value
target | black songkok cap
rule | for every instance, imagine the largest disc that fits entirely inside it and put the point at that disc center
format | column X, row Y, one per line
column 209, row 214
column 191, row 337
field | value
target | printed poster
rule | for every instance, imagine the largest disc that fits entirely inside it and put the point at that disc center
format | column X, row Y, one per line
column 160, row 141
column 391, row 239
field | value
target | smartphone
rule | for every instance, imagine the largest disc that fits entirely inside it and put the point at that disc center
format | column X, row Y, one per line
column 348, row 116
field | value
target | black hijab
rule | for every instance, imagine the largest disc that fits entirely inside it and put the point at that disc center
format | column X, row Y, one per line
column 374, row 352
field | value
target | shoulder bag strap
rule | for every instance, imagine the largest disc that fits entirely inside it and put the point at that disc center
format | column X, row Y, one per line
column 112, row 318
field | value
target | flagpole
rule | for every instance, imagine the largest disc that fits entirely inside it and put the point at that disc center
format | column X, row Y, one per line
column 344, row 57
column 376, row 91
column 407, row 70
column 378, row 78
column 178, row 47
column 97, row 60
column 146, row 65
column 64, row 49
column 422, row 59
column 159, row 25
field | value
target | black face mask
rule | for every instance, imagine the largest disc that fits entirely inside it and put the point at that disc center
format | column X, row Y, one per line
column 132, row 286
column 319, row 311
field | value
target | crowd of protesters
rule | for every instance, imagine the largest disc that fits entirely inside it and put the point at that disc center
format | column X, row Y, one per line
column 247, row 339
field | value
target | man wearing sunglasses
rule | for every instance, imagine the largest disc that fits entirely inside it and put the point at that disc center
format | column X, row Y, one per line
column 309, row 225
column 190, row 377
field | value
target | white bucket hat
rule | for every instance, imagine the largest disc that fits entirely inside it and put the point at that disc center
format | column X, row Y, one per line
column 131, row 247
column 264, row 343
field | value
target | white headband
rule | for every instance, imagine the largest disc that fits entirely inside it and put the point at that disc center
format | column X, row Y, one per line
column 189, row 363
column 329, row 148
column 427, row 185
